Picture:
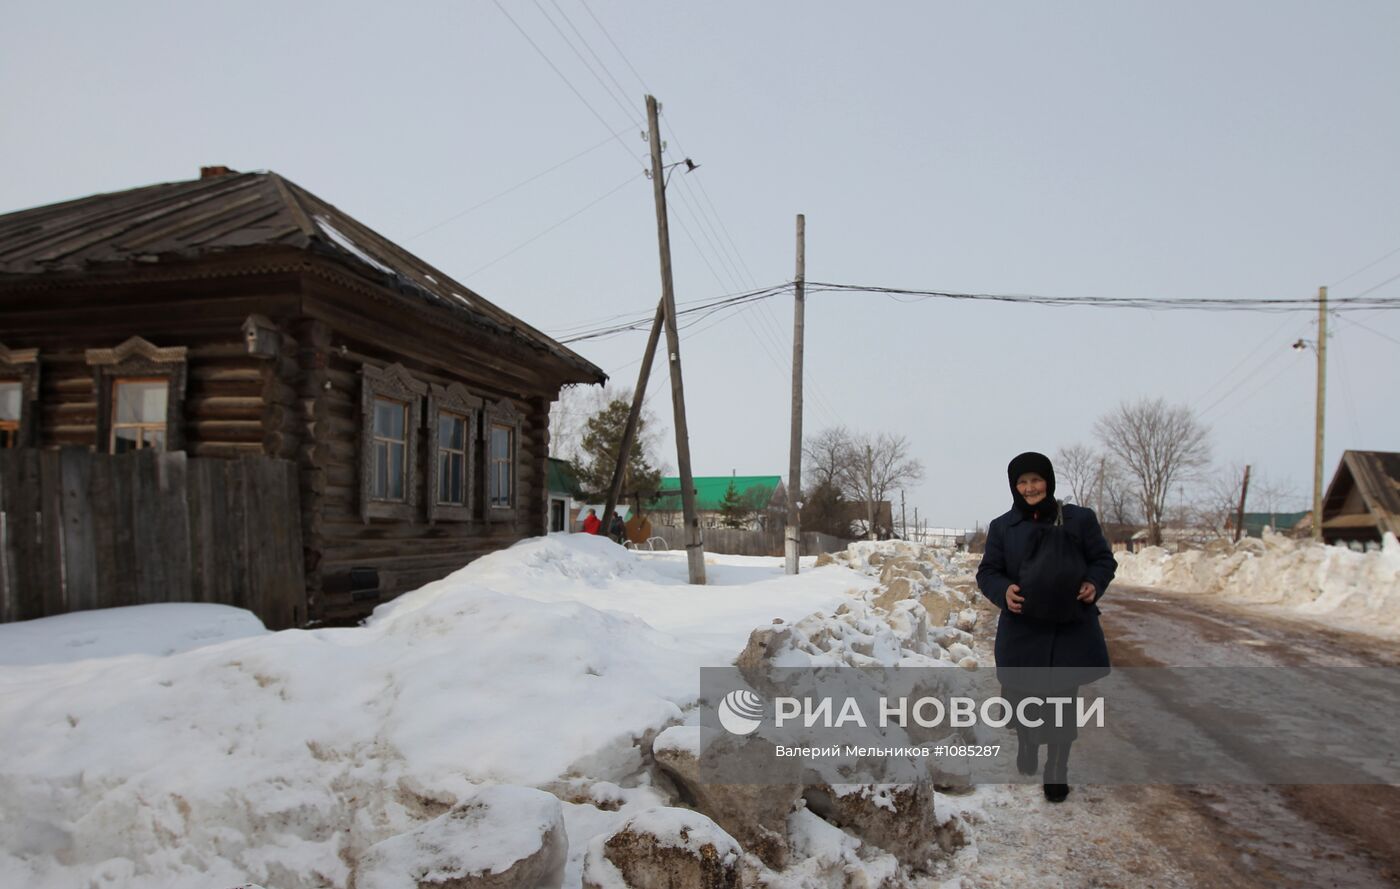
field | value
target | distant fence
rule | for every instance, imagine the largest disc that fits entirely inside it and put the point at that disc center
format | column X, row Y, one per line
column 736, row 542
column 80, row 530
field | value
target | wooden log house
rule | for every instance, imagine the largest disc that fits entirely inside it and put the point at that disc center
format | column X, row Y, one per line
column 240, row 315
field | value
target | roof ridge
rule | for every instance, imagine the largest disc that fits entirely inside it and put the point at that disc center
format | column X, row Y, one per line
column 294, row 206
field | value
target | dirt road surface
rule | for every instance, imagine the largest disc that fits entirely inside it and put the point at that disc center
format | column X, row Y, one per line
column 1305, row 836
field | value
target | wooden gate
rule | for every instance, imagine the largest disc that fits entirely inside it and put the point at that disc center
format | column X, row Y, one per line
column 80, row 530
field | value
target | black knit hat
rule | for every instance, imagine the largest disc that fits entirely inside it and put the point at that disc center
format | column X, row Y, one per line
column 1030, row 461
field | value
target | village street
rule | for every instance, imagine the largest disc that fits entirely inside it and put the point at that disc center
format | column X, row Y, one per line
column 1205, row 835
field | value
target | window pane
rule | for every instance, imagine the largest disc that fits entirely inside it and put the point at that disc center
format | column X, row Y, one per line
column 126, row 440
column 381, row 470
column 140, row 402
column 9, row 401
column 451, row 431
column 389, row 419
column 154, row 438
column 500, row 484
column 456, row 495
column 396, row 454
column 500, row 443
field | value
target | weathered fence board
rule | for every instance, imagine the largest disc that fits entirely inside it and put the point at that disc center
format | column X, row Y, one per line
column 80, row 530
column 79, row 537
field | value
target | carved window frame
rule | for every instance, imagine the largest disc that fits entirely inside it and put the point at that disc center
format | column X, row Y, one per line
column 501, row 413
column 22, row 366
column 453, row 398
column 139, row 359
column 397, row 384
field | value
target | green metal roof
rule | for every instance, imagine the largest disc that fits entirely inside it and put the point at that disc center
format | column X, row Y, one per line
column 561, row 477
column 1255, row 522
column 710, row 490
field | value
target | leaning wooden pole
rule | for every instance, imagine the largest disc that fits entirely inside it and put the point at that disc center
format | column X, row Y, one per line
column 629, row 432
column 694, row 544
column 1239, row 516
column 792, row 542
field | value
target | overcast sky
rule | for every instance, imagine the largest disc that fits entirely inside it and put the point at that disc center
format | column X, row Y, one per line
column 1114, row 149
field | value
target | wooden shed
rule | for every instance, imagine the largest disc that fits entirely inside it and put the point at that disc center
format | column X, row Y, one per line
column 1362, row 502
column 238, row 315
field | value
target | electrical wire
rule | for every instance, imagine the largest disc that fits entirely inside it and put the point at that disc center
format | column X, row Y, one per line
column 519, row 185
column 588, row 46
column 567, row 82
column 1366, row 267
column 629, row 113
column 1384, row 336
column 1272, row 336
column 588, row 206
column 639, row 323
column 1346, row 304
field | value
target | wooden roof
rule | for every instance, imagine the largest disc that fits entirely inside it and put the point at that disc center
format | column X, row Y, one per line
column 1376, row 476
column 189, row 220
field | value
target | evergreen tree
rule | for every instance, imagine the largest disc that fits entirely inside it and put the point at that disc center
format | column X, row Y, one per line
column 734, row 509
column 602, row 436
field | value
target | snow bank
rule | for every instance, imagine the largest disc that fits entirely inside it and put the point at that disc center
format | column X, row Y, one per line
column 152, row 630
column 1359, row 590
column 280, row 758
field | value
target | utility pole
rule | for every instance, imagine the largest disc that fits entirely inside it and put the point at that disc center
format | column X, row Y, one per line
column 1239, row 517
column 629, row 432
column 792, row 539
column 694, row 546
column 903, row 517
column 1321, row 410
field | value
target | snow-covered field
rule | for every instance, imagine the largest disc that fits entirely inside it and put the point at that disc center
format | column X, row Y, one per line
column 183, row 745
column 1358, row 591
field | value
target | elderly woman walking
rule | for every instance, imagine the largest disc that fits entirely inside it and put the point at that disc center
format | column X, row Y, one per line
column 1046, row 565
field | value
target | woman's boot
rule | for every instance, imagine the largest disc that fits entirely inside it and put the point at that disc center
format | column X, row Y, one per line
column 1027, row 754
column 1057, row 772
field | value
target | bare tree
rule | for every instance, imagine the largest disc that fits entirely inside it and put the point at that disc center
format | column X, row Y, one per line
column 873, row 467
column 1158, row 445
column 1116, row 493
column 1220, row 505
column 1080, row 467
column 824, row 455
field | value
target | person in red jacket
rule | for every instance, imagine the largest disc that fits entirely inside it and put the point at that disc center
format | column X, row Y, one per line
column 591, row 523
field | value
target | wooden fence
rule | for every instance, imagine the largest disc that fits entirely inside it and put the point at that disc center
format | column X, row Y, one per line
column 80, row 530
column 734, row 541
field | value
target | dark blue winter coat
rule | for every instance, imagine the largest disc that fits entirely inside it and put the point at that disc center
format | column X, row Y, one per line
column 1026, row 643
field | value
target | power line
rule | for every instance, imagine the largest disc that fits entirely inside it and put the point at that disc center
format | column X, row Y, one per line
column 1264, row 385
column 620, row 53
column 1373, row 289
column 519, row 185
column 1383, row 336
column 598, row 200
column 629, row 113
column 1271, row 336
column 639, row 323
column 588, row 46
column 567, row 82
column 1240, row 383
column 1353, row 303
column 1366, row 267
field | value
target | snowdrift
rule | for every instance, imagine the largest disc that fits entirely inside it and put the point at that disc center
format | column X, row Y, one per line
column 205, row 751
column 1358, row 590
